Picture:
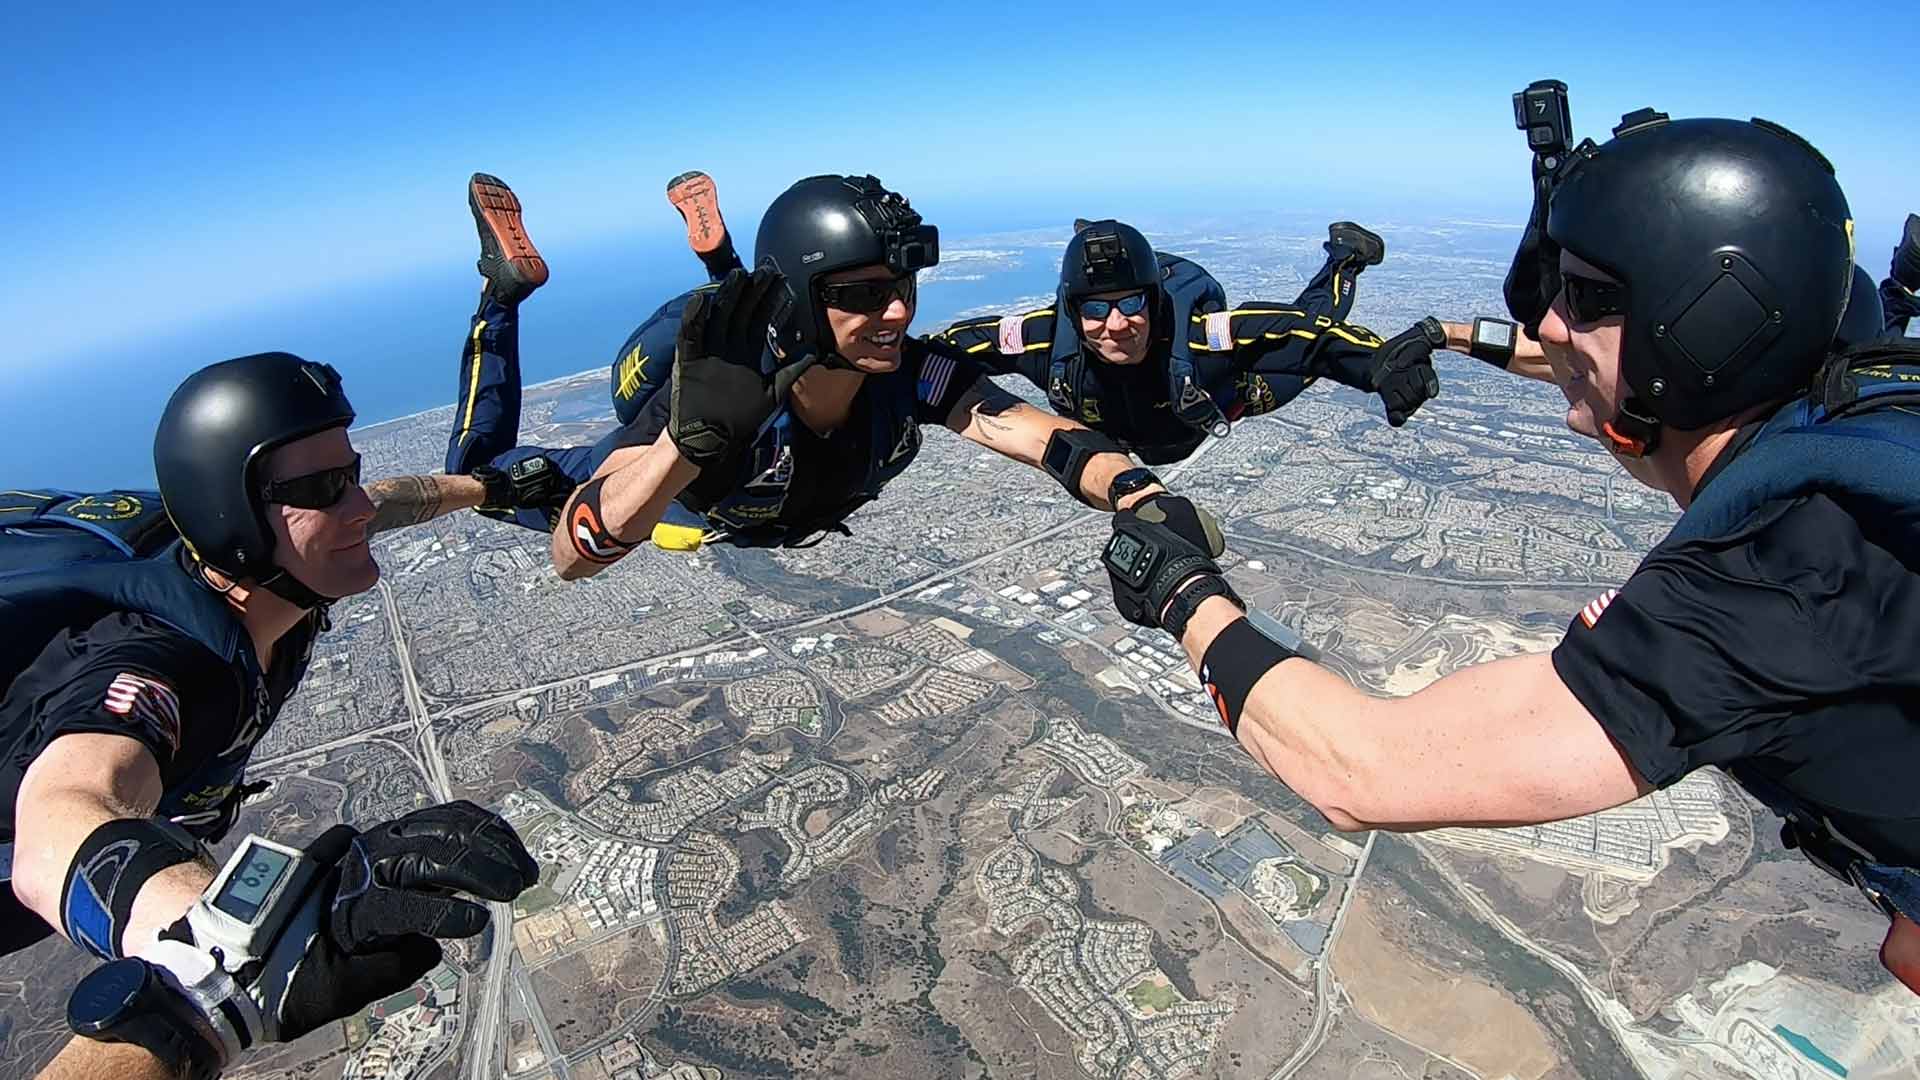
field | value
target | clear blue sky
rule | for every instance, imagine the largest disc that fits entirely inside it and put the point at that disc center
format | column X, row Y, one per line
column 168, row 165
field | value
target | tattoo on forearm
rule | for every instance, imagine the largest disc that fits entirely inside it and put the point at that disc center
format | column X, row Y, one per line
column 400, row 501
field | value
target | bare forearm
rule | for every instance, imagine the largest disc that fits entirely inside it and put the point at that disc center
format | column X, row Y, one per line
column 84, row 1059
column 1278, row 726
column 1496, row 744
column 1000, row 422
column 640, row 483
column 1529, row 360
column 49, row 839
column 399, row 501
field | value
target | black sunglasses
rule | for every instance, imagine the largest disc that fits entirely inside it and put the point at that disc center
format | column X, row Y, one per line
column 1130, row 305
column 315, row 490
column 1590, row 300
column 870, row 296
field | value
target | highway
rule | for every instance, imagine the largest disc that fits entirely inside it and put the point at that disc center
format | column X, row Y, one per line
column 486, row 1002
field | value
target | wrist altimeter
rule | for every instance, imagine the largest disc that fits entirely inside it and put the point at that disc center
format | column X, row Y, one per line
column 255, row 895
column 1148, row 568
column 1493, row 340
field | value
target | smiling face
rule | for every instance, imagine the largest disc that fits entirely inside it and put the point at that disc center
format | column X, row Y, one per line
column 1586, row 362
column 870, row 341
column 1118, row 338
column 325, row 549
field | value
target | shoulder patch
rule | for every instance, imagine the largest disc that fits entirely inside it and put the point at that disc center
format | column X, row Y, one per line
column 149, row 700
column 1220, row 331
column 1597, row 607
column 1013, row 338
column 936, row 372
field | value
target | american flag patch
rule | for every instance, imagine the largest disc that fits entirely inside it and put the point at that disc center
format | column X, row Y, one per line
column 146, row 700
column 1597, row 607
column 1013, row 335
column 935, row 373
column 1220, row 331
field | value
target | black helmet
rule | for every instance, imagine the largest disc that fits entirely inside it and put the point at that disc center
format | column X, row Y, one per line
column 216, row 428
column 1735, row 247
column 828, row 223
column 1107, row 256
column 1865, row 320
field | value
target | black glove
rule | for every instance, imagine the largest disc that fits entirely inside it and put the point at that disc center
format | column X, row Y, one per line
column 722, row 392
column 1177, row 540
column 386, row 898
column 1191, row 523
column 534, row 483
column 1403, row 373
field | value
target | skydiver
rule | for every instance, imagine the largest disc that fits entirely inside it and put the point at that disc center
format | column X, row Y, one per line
column 788, row 397
column 1775, row 632
column 152, row 639
column 1118, row 368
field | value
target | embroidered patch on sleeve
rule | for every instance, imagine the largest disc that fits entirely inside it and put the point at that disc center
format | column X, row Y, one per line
column 1220, row 331
column 147, row 700
column 1013, row 336
column 1597, row 607
column 935, row 373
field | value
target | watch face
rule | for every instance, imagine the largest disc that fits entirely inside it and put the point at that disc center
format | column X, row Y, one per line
column 1495, row 333
column 102, row 999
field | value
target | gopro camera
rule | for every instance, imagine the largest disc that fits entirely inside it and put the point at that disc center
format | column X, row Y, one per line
column 1541, row 110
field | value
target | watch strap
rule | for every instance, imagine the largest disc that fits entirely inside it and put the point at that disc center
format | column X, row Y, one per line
column 1185, row 602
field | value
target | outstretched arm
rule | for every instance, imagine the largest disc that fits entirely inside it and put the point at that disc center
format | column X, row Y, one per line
column 1501, row 743
column 1005, row 345
column 79, row 783
column 997, row 420
column 1528, row 358
column 615, row 511
column 1276, row 339
column 399, row 501
column 85, row 1059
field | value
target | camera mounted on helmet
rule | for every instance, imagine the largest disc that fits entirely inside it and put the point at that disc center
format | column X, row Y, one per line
column 211, row 446
column 825, row 224
column 1731, row 248
column 1544, row 113
column 1110, row 257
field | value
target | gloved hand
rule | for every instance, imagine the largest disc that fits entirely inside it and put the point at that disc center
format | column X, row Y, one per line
column 1176, row 542
column 381, row 908
column 366, row 929
column 533, row 483
column 722, row 392
column 1403, row 372
column 1190, row 522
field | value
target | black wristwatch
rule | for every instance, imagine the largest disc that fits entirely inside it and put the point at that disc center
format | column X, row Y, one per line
column 1186, row 601
column 1493, row 340
column 1128, row 482
column 130, row 1001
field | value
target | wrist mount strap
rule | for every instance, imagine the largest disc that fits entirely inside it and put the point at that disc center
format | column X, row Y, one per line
column 1067, row 454
column 108, row 871
column 1234, row 662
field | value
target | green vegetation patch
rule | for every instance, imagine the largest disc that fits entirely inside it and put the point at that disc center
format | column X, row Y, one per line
column 1152, row 995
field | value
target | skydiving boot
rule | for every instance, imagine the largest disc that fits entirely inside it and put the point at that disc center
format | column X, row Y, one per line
column 1906, row 257
column 508, row 261
column 694, row 195
column 1349, row 243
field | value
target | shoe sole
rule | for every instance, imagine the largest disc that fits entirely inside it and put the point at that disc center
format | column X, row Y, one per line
column 693, row 194
column 1365, row 242
column 497, row 210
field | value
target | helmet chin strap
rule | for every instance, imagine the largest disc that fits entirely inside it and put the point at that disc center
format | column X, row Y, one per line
column 294, row 591
column 1632, row 432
